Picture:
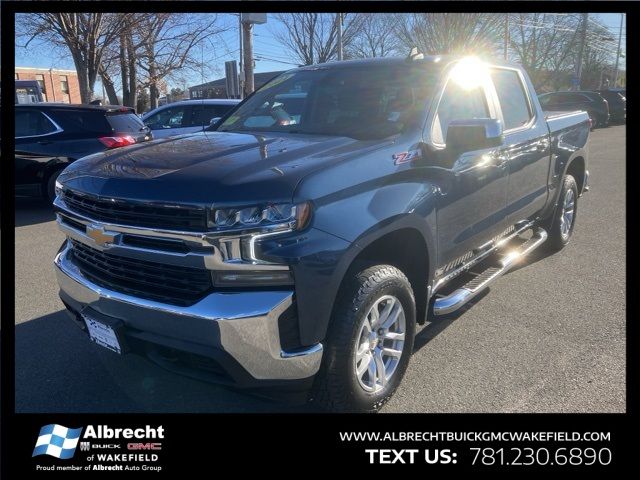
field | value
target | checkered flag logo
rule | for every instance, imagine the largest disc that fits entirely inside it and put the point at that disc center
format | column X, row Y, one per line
column 57, row 441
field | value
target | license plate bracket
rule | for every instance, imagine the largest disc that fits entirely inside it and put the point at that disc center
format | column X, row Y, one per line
column 105, row 331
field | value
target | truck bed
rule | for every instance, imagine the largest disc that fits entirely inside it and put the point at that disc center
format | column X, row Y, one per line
column 557, row 121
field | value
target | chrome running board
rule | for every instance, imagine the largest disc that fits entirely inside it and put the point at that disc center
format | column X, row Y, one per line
column 462, row 295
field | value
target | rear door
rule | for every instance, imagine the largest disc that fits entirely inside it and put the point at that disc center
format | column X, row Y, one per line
column 202, row 114
column 526, row 144
column 36, row 144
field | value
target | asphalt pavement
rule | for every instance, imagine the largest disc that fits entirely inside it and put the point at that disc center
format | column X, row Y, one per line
column 547, row 337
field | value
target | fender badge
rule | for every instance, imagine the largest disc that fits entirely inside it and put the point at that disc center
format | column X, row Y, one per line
column 405, row 157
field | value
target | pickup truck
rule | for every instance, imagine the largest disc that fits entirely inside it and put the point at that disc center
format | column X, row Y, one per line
column 297, row 243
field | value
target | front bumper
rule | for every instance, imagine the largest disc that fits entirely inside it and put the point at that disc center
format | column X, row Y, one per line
column 237, row 330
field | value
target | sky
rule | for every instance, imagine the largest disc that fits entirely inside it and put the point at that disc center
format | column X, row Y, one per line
column 270, row 56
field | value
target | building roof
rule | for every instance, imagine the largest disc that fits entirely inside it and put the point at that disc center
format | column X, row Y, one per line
column 46, row 69
column 262, row 77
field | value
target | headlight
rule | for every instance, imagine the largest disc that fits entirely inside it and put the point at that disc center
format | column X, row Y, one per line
column 285, row 215
column 58, row 188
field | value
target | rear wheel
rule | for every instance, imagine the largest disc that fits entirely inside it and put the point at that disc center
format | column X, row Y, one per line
column 564, row 217
column 369, row 343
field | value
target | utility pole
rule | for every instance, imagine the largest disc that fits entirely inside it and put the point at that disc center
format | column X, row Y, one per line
column 247, row 40
column 241, row 80
column 339, row 36
column 583, row 39
column 615, row 75
column 506, row 37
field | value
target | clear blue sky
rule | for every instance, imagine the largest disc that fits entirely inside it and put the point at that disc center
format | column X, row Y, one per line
column 270, row 56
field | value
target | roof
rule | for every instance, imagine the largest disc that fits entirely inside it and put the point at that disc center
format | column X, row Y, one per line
column 38, row 69
column 425, row 60
column 206, row 101
column 262, row 77
column 75, row 106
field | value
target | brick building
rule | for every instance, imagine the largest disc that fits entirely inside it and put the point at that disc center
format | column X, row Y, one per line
column 59, row 86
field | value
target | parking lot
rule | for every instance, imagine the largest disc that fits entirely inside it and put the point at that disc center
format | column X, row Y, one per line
column 548, row 337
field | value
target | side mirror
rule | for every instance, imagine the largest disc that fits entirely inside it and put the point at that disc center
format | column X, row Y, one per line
column 474, row 134
column 214, row 120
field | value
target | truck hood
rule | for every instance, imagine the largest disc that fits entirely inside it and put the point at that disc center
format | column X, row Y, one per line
column 210, row 167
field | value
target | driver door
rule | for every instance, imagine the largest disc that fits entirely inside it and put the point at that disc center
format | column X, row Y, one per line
column 471, row 205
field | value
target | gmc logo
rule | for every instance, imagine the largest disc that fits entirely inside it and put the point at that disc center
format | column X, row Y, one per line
column 144, row 446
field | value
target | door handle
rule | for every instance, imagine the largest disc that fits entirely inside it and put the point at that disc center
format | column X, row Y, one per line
column 499, row 161
column 44, row 142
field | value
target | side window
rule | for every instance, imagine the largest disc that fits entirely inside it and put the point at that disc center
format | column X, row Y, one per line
column 174, row 117
column 458, row 104
column 82, row 122
column 201, row 115
column 512, row 97
column 32, row 123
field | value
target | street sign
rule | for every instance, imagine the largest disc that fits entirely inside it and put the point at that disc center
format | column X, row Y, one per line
column 255, row 18
column 231, row 79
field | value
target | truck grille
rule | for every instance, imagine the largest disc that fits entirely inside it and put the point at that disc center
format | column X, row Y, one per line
column 155, row 281
column 123, row 212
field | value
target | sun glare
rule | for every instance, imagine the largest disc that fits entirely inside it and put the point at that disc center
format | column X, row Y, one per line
column 470, row 73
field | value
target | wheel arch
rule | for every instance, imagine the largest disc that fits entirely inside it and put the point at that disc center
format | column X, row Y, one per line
column 577, row 168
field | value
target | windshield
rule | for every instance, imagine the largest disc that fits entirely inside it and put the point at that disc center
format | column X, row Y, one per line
column 360, row 102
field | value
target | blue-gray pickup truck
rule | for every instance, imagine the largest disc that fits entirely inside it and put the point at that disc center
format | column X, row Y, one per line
column 297, row 242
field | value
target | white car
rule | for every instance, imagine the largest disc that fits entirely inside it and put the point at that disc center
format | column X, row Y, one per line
column 187, row 116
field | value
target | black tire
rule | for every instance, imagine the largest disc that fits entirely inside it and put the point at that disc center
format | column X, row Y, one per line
column 336, row 387
column 50, row 186
column 557, row 240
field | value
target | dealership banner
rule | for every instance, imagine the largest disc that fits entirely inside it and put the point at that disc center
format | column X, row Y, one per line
column 167, row 445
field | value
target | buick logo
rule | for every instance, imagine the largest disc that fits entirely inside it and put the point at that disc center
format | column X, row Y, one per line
column 100, row 236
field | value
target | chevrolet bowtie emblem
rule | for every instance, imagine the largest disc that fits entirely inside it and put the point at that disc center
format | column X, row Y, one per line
column 100, row 236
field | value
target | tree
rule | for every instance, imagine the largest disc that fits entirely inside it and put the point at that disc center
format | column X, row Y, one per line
column 313, row 37
column 451, row 33
column 376, row 36
column 170, row 44
column 142, row 101
column 545, row 45
column 599, row 57
column 86, row 35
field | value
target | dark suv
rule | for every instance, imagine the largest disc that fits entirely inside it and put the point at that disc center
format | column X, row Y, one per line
column 591, row 102
column 617, row 104
column 49, row 136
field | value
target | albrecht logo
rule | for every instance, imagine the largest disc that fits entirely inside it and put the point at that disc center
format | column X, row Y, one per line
column 57, row 441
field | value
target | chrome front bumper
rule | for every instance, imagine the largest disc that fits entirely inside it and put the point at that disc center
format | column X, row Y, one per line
column 245, row 324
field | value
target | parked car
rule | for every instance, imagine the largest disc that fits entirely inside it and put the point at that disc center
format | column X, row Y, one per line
column 49, row 136
column 187, row 116
column 302, row 252
column 591, row 102
column 617, row 105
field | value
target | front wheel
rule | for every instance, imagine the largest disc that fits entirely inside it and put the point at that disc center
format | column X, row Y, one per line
column 564, row 217
column 369, row 343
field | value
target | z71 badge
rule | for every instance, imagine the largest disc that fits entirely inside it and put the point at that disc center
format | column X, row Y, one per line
column 405, row 157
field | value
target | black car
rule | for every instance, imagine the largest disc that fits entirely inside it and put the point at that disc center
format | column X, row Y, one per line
column 49, row 136
column 591, row 102
column 617, row 105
